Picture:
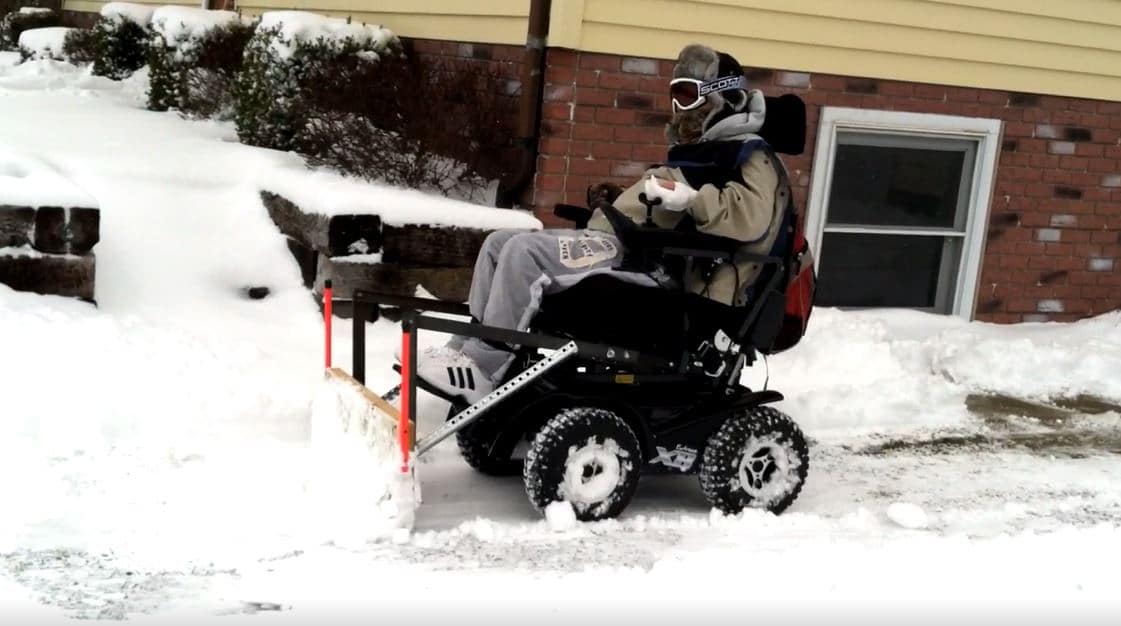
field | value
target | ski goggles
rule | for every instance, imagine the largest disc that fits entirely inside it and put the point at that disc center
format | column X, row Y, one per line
column 690, row 93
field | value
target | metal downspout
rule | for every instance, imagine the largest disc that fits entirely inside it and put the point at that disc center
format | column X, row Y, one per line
column 529, row 106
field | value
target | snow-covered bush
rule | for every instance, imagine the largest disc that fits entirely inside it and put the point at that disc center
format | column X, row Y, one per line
column 291, row 54
column 44, row 43
column 414, row 122
column 193, row 57
column 13, row 24
column 121, row 39
column 208, row 88
column 80, row 46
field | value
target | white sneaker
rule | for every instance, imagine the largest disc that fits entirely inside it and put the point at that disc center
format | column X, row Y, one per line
column 447, row 352
column 454, row 373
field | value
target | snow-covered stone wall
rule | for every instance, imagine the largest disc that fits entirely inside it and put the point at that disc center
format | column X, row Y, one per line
column 48, row 228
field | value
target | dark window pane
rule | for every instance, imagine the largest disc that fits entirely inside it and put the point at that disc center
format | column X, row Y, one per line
column 896, row 186
column 861, row 270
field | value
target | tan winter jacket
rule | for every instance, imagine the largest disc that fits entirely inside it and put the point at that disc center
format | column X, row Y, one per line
column 749, row 213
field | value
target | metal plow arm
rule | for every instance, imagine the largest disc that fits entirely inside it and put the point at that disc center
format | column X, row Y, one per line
column 460, row 420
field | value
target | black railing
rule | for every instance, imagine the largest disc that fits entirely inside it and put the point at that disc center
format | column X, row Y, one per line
column 364, row 304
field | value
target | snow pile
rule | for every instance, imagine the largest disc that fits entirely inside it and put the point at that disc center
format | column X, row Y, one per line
column 897, row 370
column 17, row 606
column 44, row 74
column 1034, row 361
column 184, row 27
column 357, row 460
column 908, row 515
column 296, row 28
column 139, row 14
column 44, row 43
column 328, row 193
column 561, row 516
column 25, row 181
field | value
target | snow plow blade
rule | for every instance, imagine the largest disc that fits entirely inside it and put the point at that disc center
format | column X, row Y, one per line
column 360, row 443
column 384, row 409
column 362, row 470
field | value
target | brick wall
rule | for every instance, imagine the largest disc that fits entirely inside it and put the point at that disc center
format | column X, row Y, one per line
column 79, row 19
column 504, row 60
column 1054, row 240
column 503, row 64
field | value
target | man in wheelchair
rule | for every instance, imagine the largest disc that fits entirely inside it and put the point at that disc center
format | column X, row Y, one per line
column 720, row 178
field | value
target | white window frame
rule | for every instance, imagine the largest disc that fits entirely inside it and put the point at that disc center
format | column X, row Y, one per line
column 987, row 134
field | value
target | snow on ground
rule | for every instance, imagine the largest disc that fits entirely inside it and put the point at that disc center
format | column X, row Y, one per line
column 155, row 460
column 25, row 181
column 16, row 603
column 44, row 43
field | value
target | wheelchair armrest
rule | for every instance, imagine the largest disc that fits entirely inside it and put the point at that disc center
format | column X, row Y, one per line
column 640, row 241
column 680, row 243
column 573, row 213
column 692, row 244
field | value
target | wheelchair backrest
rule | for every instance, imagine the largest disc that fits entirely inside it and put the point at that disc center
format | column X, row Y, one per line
column 784, row 126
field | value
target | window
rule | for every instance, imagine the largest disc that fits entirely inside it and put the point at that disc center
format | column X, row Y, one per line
column 898, row 208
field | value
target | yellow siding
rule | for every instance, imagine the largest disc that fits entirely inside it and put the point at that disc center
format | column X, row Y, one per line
column 1072, row 47
column 1067, row 48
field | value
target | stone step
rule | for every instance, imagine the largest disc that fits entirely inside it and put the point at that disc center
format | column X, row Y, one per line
column 54, row 230
column 335, row 235
column 421, row 244
column 408, row 244
column 59, row 233
column 17, row 226
column 446, row 283
column 49, row 274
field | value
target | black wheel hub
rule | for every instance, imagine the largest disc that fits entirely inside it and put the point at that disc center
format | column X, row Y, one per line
column 761, row 468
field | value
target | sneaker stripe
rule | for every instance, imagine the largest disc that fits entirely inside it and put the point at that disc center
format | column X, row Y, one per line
column 470, row 380
column 459, row 370
column 451, row 376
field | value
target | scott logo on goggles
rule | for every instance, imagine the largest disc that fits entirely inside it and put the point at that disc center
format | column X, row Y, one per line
column 720, row 84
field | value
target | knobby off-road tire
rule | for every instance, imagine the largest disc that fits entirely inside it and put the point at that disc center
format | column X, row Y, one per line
column 757, row 459
column 587, row 457
column 475, row 449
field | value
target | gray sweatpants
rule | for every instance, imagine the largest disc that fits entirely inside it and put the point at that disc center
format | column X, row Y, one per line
column 516, row 268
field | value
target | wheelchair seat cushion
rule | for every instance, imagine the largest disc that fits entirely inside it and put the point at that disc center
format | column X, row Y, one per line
column 603, row 309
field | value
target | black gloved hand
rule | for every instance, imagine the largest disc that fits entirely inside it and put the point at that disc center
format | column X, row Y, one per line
column 603, row 192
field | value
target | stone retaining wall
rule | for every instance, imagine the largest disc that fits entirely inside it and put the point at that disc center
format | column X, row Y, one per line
column 358, row 251
column 49, row 250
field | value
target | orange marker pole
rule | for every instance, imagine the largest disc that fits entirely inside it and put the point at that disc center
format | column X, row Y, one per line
column 327, row 322
column 403, row 438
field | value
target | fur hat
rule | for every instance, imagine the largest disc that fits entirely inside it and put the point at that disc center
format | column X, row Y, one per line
column 704, row 63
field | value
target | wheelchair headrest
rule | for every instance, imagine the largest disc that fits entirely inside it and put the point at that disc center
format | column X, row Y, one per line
column 784, row 127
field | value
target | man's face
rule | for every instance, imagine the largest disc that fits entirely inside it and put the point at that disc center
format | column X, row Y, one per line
column 688, row 126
